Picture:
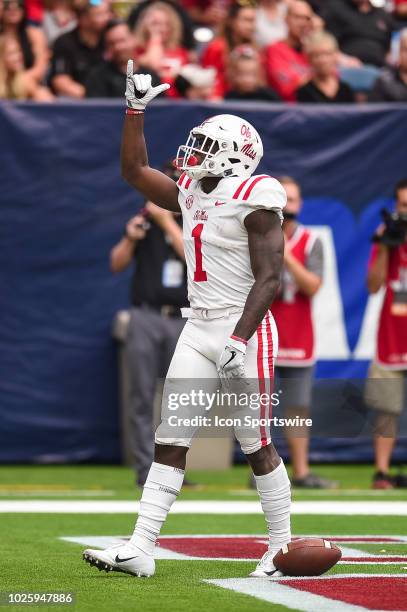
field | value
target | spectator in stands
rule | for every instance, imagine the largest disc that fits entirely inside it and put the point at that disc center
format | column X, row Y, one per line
column 77, row 52
column 287, row 66
column 245, row 77
column 153, row 241
column 31, row 39
column 391, row 85
column 271, row 24
column 210, row 13
column 59, row 18
column 362, row 30
column 16, row 83
column 324, row 86
column 385, row 387
column 292, row 311
column 158, row 36
column 239, row 29
column 108, row 79
column 195, row 83
column 400, row 14
column 188, row 40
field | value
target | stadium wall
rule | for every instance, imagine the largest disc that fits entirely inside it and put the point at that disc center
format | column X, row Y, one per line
column 63, row 205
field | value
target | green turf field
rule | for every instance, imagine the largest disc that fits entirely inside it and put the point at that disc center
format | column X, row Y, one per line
column 117, row 482
column 35, row 558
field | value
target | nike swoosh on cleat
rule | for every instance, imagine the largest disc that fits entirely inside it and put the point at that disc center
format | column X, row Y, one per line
column 217, row 203
column 271, row 573
column 118, row 560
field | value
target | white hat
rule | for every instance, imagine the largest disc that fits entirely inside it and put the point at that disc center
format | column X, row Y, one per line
column 198, row 76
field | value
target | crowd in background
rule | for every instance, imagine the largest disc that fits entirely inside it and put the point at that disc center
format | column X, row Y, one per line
column 271, row 50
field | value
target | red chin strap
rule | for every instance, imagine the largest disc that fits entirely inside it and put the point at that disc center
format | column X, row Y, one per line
column 192, row 161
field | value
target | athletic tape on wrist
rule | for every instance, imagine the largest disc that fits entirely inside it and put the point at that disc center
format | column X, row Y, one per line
column 133, row 111
column 237, row 339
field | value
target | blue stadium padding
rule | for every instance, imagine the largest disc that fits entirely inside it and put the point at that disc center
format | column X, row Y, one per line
column 63, row 205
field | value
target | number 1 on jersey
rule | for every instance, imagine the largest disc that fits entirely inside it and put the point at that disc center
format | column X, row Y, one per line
column 199, row 274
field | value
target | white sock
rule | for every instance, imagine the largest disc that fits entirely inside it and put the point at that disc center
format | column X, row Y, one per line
column 275, row 496
column 162, row 486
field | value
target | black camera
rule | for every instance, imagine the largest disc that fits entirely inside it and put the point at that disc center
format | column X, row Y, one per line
column 395, row 229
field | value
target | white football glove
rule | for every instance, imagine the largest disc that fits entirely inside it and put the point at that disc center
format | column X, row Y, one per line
column 138, row 89
column 231, row 364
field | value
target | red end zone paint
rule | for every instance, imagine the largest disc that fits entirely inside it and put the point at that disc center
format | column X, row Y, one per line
column 253, row 547
column 248, row 548
column 381, row 593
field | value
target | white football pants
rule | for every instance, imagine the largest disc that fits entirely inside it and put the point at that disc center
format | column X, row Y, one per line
column 194, row 365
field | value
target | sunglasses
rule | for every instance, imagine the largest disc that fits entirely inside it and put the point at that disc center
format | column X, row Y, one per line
column 13, row 3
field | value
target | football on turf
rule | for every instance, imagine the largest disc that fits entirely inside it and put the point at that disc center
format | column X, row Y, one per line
column 307, row 557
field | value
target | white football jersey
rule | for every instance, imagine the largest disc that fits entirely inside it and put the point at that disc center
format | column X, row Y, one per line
column 215, row 237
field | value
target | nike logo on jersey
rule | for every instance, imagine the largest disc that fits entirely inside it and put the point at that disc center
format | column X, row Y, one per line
column 118, row 560
column 219, row 203
column 233, row 355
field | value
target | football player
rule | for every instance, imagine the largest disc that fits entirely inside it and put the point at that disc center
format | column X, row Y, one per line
column 234, row 252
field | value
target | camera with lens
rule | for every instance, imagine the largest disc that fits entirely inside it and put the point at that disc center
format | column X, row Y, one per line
column 395, row 229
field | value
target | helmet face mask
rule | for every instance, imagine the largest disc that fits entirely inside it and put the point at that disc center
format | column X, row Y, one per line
column 196, row 154
column 224, row 145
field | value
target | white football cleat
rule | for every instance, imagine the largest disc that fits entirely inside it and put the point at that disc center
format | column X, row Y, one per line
column 121, row 558
column 266, row 568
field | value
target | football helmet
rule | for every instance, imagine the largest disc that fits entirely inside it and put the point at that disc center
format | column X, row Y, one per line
column 223, row 145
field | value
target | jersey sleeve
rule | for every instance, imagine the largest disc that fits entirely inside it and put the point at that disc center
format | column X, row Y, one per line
column 261, row 192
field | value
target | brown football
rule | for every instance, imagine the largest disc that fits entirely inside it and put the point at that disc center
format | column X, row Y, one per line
column 307, row 557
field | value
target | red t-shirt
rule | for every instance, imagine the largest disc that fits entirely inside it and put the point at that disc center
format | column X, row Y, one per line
column 391, row 348
column 286, row 69
column 214, row 56
column 292, row 312
column 34, row 10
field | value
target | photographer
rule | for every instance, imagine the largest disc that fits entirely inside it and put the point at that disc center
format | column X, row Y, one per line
column 153, row 241
column 388, row 268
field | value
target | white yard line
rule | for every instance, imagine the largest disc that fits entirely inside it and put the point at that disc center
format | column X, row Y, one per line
column 48, row 493
column 324, row 492
column 351, row 508
column 162, row 552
